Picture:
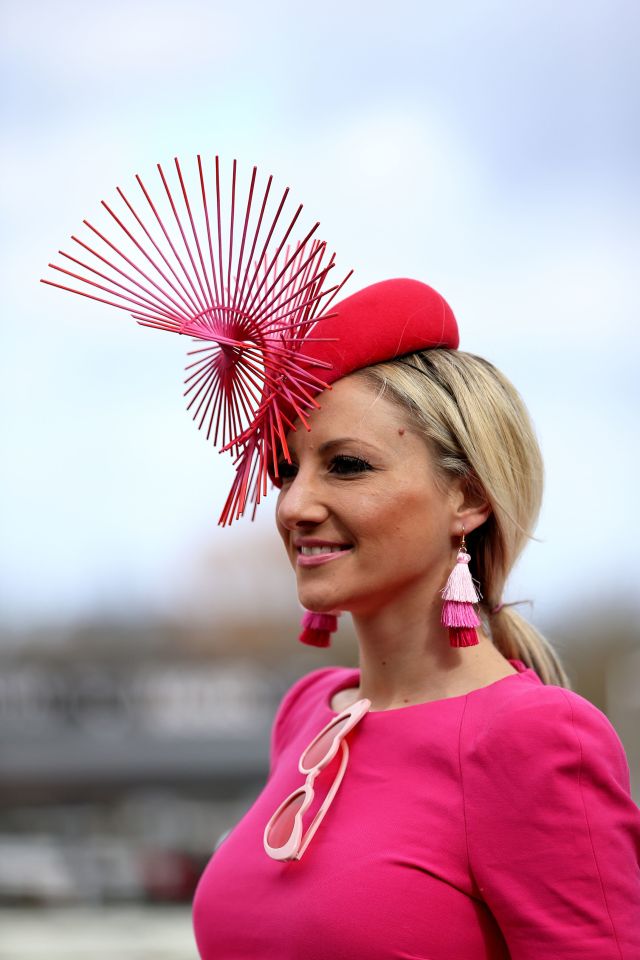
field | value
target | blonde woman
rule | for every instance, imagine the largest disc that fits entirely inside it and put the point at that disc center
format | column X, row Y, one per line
column 451, row 797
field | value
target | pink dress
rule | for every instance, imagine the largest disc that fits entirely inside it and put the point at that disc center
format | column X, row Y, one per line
column 481, row 827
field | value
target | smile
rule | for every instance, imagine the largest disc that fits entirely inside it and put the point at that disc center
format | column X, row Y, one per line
column 315, row 551
column 312, row 556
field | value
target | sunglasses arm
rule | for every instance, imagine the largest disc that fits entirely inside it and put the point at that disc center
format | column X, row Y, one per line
column 326, row 803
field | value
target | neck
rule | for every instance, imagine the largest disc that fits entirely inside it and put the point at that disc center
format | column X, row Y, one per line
column 406, row 657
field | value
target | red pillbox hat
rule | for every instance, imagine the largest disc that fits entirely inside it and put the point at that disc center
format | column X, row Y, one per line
column 381, row 322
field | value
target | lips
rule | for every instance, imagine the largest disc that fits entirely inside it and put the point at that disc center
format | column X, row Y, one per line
column 312, row 552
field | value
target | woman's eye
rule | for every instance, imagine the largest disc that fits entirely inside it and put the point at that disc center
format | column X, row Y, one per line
column 342, row 465
column 345, row 465
column 286, row 470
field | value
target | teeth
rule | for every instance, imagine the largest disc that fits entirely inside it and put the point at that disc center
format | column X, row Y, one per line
column 314, row 551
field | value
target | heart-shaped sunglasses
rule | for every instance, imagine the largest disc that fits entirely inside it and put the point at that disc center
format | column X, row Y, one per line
column 283, row 835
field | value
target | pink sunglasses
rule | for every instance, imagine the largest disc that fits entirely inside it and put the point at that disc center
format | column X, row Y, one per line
column 283, row 834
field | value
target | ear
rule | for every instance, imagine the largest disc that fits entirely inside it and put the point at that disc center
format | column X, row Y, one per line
column 470, row 507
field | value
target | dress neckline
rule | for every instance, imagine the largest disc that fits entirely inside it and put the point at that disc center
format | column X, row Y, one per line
column 352, row 676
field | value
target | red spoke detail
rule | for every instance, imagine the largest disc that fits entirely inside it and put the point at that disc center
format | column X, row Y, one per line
column 188, row 294
column 150, row 301
column 188, row 275
column 218, row 298
column 147, row 256
column 179, row 290
column 239, row 283
column 223, row 292
column 209, row 298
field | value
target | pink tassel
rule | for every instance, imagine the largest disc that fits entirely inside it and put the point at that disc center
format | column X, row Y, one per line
column 317, row 628
column 459, row 586
column 458, row 613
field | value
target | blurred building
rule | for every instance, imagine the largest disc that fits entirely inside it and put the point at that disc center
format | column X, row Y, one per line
column 128, row 751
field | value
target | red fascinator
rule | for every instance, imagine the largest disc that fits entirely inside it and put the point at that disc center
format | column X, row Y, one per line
column 224, row 267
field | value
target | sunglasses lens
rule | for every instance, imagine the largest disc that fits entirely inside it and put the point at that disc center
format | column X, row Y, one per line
column 317, row 751
column 282, row 826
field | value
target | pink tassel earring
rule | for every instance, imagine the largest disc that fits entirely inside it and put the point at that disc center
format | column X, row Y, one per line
column 318, row 627
column 459, row 595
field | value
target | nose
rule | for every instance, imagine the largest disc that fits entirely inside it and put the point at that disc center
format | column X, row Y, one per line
column 300, row 503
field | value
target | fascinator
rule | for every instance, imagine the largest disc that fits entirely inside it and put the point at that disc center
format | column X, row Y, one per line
column 223, row 262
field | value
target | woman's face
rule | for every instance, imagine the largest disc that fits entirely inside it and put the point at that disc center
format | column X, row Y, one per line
column 360, row 513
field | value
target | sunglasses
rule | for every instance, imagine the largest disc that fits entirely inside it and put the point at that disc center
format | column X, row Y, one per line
column 283, row 835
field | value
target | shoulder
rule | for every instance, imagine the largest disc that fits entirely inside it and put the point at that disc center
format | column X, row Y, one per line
column 317, row 683
column 546, row 728
column 553, row 834
column 548, row 711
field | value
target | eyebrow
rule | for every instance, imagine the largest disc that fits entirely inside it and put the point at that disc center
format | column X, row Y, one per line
column 329, row 445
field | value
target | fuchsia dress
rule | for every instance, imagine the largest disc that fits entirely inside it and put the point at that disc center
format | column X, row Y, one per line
column 480, row 827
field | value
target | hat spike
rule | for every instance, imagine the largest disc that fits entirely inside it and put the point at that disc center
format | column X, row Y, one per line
column 225, row 270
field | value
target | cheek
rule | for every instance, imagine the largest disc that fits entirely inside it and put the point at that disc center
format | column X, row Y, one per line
column 409, row 523
column 284, row 532
column 280, row 527
column 377, row 523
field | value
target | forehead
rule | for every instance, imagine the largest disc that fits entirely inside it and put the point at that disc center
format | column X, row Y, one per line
column 352, row 408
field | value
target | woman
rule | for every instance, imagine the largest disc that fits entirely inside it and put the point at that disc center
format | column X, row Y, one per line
column 485, row 809
column 452, row 798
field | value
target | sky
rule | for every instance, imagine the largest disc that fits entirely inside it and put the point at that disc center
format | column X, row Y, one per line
column 489, row 149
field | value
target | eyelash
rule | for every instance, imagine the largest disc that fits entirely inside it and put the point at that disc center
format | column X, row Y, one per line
column 350, row 466
column 354, row 464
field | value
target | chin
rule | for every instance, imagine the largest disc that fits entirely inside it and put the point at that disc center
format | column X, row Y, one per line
column 320, row 601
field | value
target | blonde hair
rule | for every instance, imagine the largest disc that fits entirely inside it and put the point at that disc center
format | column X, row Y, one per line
column 478, row 429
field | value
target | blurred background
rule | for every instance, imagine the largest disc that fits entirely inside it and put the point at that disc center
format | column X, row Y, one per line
column 490, row 149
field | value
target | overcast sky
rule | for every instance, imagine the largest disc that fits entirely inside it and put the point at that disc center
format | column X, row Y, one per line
column 489, row 149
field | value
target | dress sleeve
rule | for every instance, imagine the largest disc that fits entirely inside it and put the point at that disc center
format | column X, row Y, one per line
column 553, row 833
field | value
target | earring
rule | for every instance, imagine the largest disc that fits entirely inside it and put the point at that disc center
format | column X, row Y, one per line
column 459, row 595
column 318, row 627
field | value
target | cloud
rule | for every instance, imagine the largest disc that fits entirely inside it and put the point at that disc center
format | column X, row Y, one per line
column 119, row 41
column 487, row 150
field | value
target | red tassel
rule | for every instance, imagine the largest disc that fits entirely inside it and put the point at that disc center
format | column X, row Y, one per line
column 317, row 628
column 463, row 636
